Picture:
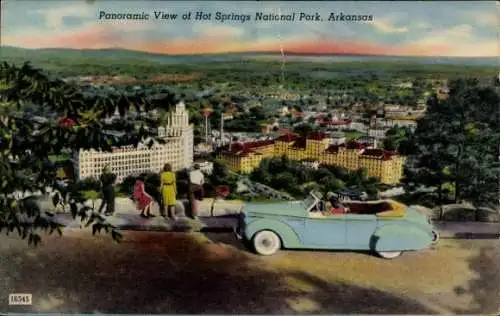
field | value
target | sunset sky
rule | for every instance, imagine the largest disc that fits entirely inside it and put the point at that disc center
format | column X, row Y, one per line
column 398, row 28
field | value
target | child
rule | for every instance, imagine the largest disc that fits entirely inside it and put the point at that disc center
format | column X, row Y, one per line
column 142, row 199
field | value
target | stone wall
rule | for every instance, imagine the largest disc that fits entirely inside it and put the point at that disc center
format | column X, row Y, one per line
column 461, row 212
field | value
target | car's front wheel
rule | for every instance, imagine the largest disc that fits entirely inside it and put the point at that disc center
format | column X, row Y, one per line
column 266, row 243
column 389, row 254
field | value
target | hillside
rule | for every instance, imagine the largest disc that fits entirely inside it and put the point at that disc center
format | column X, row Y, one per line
column 117, row 61
column 17, row 54
column 118, row 54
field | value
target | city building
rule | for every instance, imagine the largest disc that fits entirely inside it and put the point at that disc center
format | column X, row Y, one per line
column 337, row 138
column 378, row 133
column 442, row 92
column 244, row 157
column 412, row 124
column 206, row 167
column 129, row 160
column 383, row 164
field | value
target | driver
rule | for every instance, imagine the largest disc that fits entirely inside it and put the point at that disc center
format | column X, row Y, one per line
column 333, row 204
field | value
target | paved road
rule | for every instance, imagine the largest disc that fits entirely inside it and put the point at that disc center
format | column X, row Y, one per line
column 195, row 273
column 132, row 221
column 127, row 218
column 468, row 229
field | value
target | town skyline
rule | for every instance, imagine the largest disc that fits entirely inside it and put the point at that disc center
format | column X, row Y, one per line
column 437, row 29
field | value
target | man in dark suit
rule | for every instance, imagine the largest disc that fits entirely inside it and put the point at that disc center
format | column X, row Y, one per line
column 108, row 191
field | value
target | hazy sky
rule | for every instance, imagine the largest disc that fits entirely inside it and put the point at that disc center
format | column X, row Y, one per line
column 398, row 28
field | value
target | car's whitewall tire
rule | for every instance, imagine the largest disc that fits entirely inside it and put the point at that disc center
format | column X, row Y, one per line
column 389, row 254
column 266, row 243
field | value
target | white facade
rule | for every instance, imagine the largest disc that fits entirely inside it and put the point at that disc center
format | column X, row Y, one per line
column 129, row 160
column 358, row 126
column 403, row 123
column 206, row 167
column 377, row 133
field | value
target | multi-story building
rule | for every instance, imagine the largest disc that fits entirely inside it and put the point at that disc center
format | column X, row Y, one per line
column 383, row 164
column 244, row 157
column 129, row 160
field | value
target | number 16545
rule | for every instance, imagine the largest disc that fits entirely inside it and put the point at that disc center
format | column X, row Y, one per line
column 19, row 299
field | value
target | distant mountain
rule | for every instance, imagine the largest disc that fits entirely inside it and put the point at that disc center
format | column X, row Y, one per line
column 120, row 54
column 17, row 53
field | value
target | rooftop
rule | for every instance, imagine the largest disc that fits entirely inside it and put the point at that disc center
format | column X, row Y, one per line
column 300, row 143
column 377, row 153
column 317, row 136
column 287, row 138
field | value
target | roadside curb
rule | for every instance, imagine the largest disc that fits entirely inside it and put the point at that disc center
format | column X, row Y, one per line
column 447, row 235
column 229, row 223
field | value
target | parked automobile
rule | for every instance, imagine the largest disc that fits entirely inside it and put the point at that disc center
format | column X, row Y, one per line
column 385, row 227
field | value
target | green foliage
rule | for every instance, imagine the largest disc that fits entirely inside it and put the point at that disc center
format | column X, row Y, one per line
column 91, row 195
column 247, row 122
column 457, row 142
column 220, row 176
column 398, row 138
column 26, row 145
column 304, row 129
column 298, row 179
column 87, row 184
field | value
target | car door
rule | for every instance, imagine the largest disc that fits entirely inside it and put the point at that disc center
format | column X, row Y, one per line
column 297, row 224
column 360, row 229
column 329, row 231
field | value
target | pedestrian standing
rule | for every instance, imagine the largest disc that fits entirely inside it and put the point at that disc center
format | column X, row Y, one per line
column 168, row 190
column 196, row 191
column 108, row 191
column 142, row 199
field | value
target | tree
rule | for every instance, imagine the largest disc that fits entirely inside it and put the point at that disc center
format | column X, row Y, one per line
column 303, row 129
column 27, row 143
column 395, row 137
column 457, row 141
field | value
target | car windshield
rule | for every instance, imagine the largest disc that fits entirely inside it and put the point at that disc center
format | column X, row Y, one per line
column 309, row 201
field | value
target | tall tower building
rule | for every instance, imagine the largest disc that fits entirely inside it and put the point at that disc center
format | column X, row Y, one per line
column 129, row 160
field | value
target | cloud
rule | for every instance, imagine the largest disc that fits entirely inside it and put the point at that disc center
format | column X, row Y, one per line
column 421, row 25
column 187, row 38
column 54, row 17
column 457, row 41
column 385, row 25
column 94, row 35
column 218, row 31
column 486, row 18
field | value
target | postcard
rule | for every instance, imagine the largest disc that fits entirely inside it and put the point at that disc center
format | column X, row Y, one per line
column 249, row 157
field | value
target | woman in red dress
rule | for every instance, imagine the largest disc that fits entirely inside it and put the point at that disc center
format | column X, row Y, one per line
column 142, row 199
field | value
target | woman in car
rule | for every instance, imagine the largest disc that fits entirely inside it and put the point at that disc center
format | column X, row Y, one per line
column 333, row 204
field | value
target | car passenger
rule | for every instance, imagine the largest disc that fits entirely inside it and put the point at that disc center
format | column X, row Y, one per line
column 333, row 204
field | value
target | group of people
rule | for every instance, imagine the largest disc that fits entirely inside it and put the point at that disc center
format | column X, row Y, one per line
column 167, row 190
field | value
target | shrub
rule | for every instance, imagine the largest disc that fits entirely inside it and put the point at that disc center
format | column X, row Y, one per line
column 222, row 191
column 88, row 184
column 127, row 185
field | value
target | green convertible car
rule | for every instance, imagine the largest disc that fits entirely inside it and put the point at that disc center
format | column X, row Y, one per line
column 385, row 227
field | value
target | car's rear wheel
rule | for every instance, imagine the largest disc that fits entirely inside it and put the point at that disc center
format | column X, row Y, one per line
column 435, row 237
column 389, row 254
column 266, row 243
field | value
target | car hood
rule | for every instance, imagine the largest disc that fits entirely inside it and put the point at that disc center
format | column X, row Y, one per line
column 294, row 208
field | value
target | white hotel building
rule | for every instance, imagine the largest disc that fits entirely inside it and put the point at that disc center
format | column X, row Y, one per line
column 130, row 160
